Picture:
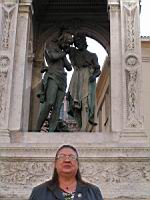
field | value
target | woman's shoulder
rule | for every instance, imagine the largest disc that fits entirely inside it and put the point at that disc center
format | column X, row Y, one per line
column 42, row 186
column 92, row 190
column 89, row 185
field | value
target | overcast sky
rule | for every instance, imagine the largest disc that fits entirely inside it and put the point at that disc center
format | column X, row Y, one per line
column 145, row 17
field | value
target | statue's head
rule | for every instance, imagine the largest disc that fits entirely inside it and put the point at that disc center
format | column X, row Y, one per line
column 65, row 40
column 80, row 41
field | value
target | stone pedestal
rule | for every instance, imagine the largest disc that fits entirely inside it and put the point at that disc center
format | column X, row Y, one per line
column 121, row 170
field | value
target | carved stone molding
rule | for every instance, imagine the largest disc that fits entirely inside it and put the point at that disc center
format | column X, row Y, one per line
column 32, row 152
column 146, row 59
column 26, row 1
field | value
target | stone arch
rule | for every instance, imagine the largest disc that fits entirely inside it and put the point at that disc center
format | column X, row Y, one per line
column 99, row 34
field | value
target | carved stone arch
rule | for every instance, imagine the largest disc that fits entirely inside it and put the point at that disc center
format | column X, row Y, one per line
column 99, row 34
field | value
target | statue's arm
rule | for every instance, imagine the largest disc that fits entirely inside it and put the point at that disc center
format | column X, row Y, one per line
column 44, row 68
column 67, row 64
column 96, row 66
column 54, row 53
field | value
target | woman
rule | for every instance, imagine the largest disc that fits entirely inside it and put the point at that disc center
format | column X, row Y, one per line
column 66, row 182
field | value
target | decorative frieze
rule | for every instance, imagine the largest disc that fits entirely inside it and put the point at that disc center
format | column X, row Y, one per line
column 116, row 172
column 31, row 172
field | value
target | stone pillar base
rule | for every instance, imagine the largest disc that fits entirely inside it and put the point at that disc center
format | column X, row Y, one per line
column 121, row 170
column 4, row 136
column 131, row 137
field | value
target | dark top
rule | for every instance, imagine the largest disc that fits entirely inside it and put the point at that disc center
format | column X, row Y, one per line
column 49, row 191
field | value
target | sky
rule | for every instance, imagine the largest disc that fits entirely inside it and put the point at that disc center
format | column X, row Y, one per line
column 144, row 18
column 95, row 47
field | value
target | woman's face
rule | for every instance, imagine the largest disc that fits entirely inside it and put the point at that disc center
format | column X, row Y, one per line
column 66, row 162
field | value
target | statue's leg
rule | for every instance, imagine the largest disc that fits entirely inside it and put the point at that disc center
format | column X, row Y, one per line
column 56, row 111
column 51, row 93
column 84, row 114
column 77, row 117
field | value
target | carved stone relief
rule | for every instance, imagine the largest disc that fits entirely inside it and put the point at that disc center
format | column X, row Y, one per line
column 129, row 18
column 131, row 67
column 33, row 172
column 132, row 92
column 117, row 172
column 4, row 62
column 7, row 14
column 25, row 172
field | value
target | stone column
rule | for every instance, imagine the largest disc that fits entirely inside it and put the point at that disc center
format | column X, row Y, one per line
column 28, row 86
column 8, row 23
column 13, row 42
column 126, row 70
column 115, row 62
column 20, row 97
column 36, row 84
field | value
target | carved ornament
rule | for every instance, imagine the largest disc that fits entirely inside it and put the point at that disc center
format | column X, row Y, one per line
column 129, row 17
column 117, row 172
column 4, row 62
column 131, row 61
column 7, row 14
column 132, row 92
column 3, row 81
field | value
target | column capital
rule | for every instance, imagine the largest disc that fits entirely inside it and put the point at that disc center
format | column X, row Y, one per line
column 113, row 5
column 25, row 1
column 113, row 2
column 25, row 6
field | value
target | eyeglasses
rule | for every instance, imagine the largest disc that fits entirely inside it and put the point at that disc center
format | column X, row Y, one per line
column 64, row 157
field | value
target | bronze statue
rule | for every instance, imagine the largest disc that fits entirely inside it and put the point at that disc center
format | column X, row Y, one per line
column 82, row 88
column 54, row 81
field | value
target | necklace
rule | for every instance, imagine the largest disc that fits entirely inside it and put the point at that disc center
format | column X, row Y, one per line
column 71, row 187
